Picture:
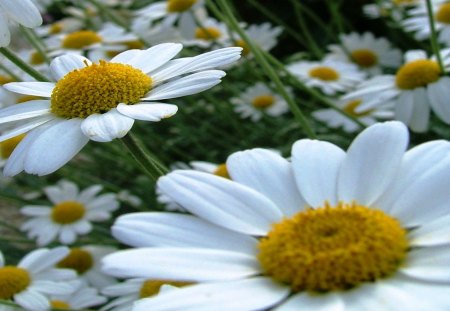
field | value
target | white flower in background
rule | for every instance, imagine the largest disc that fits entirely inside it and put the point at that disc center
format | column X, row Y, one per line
column 331, row 230
column 101, row 101
column 417, row 87
column 265, row 36
column 23, row 12
column 258, row 100
column 369, row 53
column 171, row 10
column 34, row 278
column 64, row 25
column 334, row 119
column 329, row 76
column 125, row 294
column 126, row 197
column 394, row 9
column 83, row 298
column 86, row 261
column 155, row 33
column 208, row 33
column 71, row 214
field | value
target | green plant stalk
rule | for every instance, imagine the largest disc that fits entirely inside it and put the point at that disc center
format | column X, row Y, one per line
column 270, row 72
column 35, row 41
column 433, row 38
column 23, row 65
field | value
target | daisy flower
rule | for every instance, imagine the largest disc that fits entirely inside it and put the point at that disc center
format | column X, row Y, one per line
column 259, row 100
column 329, row 76
column 369, row 53
column 83, row 298
column 210, row 32
column 417, row 87
column 85, row 261
column 23, row 12
column 334, row 119
column 170, row 10
column 100, row 101
column 34, row 277
column 264, row 36
column 389, row 8
column 71, row 214
column 331, row 230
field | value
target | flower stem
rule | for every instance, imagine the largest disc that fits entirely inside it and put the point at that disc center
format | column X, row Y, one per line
column 23, row 65
column 110, row 15
column 36, row 42
column 152, row 167
column 433, row 38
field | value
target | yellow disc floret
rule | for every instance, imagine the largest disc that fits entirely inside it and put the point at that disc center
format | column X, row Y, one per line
column 364, row 58
column 5, row 79
column 78, row 260
column 151, row 287
column 324, row 73
column 207, row 33
column 418, row 73
column 333, row 248
column 80, row 39
column 179, row 5
column 59, row 304
column 67, row 212
column 36, row 58
column 245, row 48
column 443, row 13
column 351, row 106
column 263, row 101
column 222, row 171
column 13, row 280
column 7, row 146
column 97, row 89
column 55, row 28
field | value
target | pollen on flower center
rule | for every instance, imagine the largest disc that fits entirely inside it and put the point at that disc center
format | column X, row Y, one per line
column 7, row 146
column 351, row 106
column 222, row 171
column 78, row 260
column 364, row 58
column 151, row 287
column 333, row 248
column 207, row 33
column 67, row 212
column 80, row 39
column 263, row 101
column 418, row 73
column 13, row 280
column 59, row 304
column 179, row 5
column 443, row 13
column 97, row 89
column 324, row 73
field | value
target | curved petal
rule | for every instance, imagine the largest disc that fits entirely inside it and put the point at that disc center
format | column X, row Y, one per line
column 26, row 127
column 62, row 65
column 30, row 109
column 24, row 12
column 41, row 259
column 148, row 112
column 43, row 89
column 306, row 301
column 106, row 127
column 32, row 300
column 421, row 111
column 438, row 95
column 434, row 233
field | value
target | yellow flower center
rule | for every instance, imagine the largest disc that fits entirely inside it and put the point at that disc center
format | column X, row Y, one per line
column 7, row 146
column 364, row 58
column 13, row 280
column 5, row 79
column 207, row 33
column 222, row 171
column 245, row 48
column 324, row 73
column 59, row 304
column 152, row 287
column 418, row 73
column 68, row 212
column 97, row 89
column 36, row 58
column 443, row 13
column 263, row 101
column 78, row 260
column 179, row 5
column 130, row 45
column 80, row 39
column 350, row 108
column 55, row 28
column 25, row 98
column 333, row 248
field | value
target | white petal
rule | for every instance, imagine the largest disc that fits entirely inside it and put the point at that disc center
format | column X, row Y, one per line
column 268, row 173
column 316, row 166
column 220, row 201
column 404, row 107
column 5, row 35
column 421, row 112
column 41, row 259
column 51, row 150
column 32, row 300
column 62, row 65
column 53, row 288
column 240, row 295
column 26, row 127
column 181, row 264
column 106, row 127
column 126, row 57
column 43, row 89
column 372, row 162
column 438, row 94
column 154, row 57
column 434, row 233
column 175, row 230
column 26, row 110
column 306, row 301
column 148, row 112
column 24, row 12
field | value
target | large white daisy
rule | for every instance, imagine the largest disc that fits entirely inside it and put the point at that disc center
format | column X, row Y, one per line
column 101, row 101
column 365, row 229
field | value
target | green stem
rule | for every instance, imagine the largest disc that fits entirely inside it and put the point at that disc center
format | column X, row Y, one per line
column 433, row 38
column 35, row 41
column 270, row 72
column 23, row 65
column 112, row 16
column 148, row 162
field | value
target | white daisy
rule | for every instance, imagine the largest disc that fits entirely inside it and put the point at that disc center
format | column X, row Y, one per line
column 417, row 86
column 71, row 214
column 394, row 9
column 369, row 53
column 101, row 101
column 170, row 10
column 210, row 32
column 328, row 75
column 334, row 119
column 365, row 229
column 265, row 36
column 84, row 297
column 23, row 12
column 34, row 277
column 258, row 100
column 86, row 261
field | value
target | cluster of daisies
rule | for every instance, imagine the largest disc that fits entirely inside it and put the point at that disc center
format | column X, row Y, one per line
column 305, row 224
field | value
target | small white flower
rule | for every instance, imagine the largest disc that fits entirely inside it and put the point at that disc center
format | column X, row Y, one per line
column 210, row 32
column 84, row 297
column 265, row 36
column 171, row 10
